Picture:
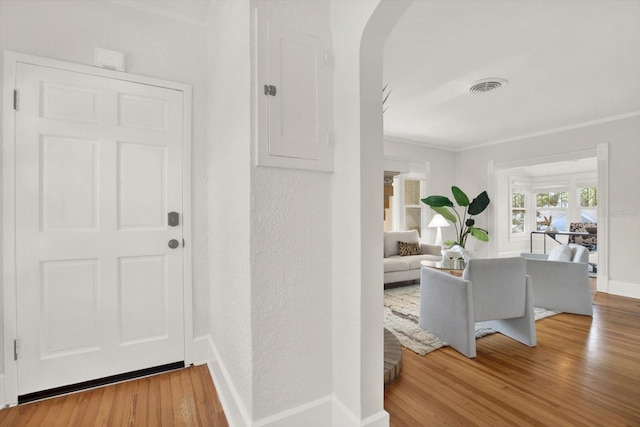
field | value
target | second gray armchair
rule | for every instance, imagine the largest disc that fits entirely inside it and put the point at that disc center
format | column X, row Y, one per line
column 561, row 279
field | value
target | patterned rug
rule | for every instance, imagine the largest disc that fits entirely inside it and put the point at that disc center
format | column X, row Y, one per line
column 401, row 315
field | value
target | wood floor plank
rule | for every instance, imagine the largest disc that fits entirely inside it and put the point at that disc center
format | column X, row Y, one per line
column 124, row 404
column 204, row 411
column 104, row 409
column 66, row 410
column 166, row 401
column 184, row 397
column 142, row 407
column 584, row 372
column 155, row 410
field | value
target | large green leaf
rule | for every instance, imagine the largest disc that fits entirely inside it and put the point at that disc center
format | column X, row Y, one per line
column 450, row 243
column 479, row 204
column 446, row 213
column 438, row 201
column 460, row 197
column 479, row 234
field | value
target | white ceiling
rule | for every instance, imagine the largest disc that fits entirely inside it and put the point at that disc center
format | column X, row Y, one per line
column 567, row 63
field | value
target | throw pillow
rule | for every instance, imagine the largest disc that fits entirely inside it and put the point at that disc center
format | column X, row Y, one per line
column 409, row 248
column 561, row 253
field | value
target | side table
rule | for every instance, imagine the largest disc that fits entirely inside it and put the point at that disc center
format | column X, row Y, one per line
column 438, row 265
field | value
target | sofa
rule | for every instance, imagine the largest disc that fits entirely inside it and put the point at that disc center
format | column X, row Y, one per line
column 402, row 268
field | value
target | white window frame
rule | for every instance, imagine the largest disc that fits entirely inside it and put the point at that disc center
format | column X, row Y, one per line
column 555, row 186
column 398, row 207
column 581, row 184
column 520, row 186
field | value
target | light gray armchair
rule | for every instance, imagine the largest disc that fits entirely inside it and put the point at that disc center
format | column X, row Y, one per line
column 561, row 279
column 494, row 291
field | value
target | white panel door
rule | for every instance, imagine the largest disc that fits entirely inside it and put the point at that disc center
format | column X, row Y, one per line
column 99, row 167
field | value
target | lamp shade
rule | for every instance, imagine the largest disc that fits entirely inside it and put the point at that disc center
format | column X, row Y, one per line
column 438, row 221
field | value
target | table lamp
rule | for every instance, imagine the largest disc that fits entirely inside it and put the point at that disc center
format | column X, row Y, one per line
column 438, row 221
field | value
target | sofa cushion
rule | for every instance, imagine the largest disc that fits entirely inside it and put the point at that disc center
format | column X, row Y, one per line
column 561, row 253
column 391, row 239
column 409, row 248
column 395, row 263
column 414, row 260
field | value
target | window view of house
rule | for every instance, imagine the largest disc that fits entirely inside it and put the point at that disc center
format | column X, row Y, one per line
column 518, row 212
column 412, row 208
column 588, row 204
column 551, row 211
column 541, row 198
column 403, row 209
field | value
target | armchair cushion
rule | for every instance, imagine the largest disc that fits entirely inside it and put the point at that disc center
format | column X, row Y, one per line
column 494, row 294
column 561, row 253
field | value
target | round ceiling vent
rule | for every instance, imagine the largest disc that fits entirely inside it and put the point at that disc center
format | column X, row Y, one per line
column 486, row 85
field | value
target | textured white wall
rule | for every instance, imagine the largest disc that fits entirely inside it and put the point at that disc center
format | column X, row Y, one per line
column 229, row 190
column 624, row 205
column 291, row 264
column 359, row 30
column 155, row 46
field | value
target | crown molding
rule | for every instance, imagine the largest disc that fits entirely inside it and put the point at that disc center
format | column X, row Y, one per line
column 419, row 143
column 554, row 130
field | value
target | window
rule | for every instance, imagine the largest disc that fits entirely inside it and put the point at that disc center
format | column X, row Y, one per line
column 412, row 205
column 518, row 212
column 405, row 210
column 551, row 210
column 588, row 204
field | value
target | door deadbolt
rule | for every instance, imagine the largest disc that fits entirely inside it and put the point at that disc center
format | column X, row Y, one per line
column 173, row 243
column 173, row 219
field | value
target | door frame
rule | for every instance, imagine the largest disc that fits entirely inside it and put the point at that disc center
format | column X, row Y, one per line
column 9, row 377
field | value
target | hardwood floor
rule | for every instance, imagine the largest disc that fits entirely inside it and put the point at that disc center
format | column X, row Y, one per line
column 185, row 397
column 584, row 372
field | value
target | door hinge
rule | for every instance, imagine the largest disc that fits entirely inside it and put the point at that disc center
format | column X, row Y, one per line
column 270, row 90
column 15, row 99
column 15, row 349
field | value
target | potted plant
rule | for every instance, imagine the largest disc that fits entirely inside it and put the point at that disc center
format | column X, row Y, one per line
column 445, row 207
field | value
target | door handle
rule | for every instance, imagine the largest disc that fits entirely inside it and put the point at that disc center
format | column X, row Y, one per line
column 173, row 243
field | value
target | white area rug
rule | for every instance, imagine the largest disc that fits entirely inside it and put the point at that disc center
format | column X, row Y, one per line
column 402, row 312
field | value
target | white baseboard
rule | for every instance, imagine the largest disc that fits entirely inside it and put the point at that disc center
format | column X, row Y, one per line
column 381, row 419
column 625, row 289
column 3, row 403
column 311, row 414
column 234, row 410
column 342, row 417
column 323, row 412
